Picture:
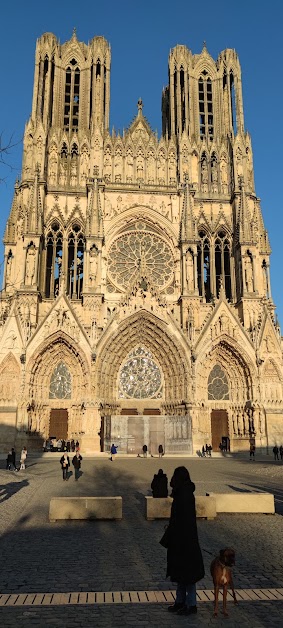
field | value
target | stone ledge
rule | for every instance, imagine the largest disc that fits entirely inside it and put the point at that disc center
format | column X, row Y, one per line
column 244, row 502
column 85, row 508
column 160, row 507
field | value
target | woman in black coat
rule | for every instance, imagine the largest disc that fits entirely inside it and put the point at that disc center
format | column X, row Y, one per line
column 184, row 558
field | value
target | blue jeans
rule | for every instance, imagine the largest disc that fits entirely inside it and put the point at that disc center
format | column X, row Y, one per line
column 186, row 594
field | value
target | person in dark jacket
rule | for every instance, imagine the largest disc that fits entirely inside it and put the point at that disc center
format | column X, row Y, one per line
column 159, row 484
column 144, row 451
column 76, row 462
column 184, row 557
column 160, row 451
column 65, row 463
column 9, row 461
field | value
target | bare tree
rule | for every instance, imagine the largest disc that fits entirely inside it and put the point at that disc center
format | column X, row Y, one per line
column 6, row 148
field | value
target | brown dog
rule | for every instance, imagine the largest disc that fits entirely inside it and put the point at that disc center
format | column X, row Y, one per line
column 221, row 571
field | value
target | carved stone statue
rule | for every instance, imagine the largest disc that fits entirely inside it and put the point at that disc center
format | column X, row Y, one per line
column 30, row 265
column 93, row 260
column 249, row 275
column 189, row 270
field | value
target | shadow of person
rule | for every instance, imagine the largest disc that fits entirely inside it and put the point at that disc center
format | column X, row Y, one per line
column 10, row 489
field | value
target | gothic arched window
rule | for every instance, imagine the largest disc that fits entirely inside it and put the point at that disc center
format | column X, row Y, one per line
column 54, row 256
column 140, row 376
column 72, row 97
column 205, row 106
column 223, row 264
column 76, row 247
column 233, row 103
column 218, row 387
column 60, row 383
column 204, row 267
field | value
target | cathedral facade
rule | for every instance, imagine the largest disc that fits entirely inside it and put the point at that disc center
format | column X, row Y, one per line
column 136, row 305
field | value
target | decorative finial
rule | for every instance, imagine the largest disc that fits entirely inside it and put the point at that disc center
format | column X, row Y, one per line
column 74, row 33
column 204, row 45
column 140, row 105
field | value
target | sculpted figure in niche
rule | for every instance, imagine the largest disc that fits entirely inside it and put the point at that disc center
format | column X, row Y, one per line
column 189, row 270
column 52, row 166
column 161, row 169
column 150, row 167
column 118, row 165
column 249, row 274
column 84, row 164
column 73, row 177
column 107, row 164
column 172, row 168
column 129, row 166
column 28, row 156
column 140, row 166
column 63, row 173
column 224, row 175
column 30, row 265
column 239, row 162
column 214, row 176
column 204, row 175
column 9, row 269
column 93, row 261
column 264, row 278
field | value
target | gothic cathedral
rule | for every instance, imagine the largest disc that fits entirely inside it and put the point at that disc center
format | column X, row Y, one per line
column 136, row 305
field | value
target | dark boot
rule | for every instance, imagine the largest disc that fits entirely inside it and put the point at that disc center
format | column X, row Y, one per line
column 174, row 608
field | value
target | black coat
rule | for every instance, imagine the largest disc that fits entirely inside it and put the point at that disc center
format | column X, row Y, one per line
column 184, row 558
column 62, row 461
column 159, row 485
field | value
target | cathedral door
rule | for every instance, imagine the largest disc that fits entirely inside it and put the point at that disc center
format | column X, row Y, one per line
column 219, row 428
column 58, row 424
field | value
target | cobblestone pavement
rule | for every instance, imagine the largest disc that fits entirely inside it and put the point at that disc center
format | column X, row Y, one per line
column 37, row 556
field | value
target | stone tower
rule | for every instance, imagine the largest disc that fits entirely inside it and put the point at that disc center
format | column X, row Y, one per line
column 137, row 304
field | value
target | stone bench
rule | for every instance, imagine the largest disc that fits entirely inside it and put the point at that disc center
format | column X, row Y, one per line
column 160, row 507
column 85, row 508
column 244, row 502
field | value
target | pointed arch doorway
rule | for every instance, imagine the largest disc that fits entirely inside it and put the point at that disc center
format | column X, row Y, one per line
column 219, row 429
column 58, row 423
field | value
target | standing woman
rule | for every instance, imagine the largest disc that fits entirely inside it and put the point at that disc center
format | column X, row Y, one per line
column 184, row 558
column 23, row 458
column 65, row 463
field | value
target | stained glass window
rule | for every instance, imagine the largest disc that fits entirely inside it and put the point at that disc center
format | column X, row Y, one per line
column 60, row 383
column 218, row 384
column 140, row 376
column 140, row 253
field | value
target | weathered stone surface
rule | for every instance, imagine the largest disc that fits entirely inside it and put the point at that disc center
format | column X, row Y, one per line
column 85, row 508
column 244, row 502
column 160, row 507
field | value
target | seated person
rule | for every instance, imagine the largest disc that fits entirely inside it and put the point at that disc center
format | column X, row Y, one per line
column 159, row 484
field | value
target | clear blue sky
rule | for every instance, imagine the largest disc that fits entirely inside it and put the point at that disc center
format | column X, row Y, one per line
column 141, row 34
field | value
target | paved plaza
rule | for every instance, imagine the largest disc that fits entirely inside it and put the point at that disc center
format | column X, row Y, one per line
column 87, row 560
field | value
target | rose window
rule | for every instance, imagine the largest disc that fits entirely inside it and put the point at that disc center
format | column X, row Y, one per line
column 140, row 254
column 217, row 384
column 140, row 376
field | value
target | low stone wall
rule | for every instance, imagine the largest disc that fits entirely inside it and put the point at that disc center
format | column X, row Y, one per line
column 160, row 507
column 85, row 508
column 244, row 502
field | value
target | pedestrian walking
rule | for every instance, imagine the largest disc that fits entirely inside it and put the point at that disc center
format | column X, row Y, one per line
column 252, row 451
column 77, row 459
column 281, row 452
column 65, row 463
column 275, row 452
column 14, row 458
column 113, row 452
column 209, row 449
column 77, row 445
column 9, row 460
column 160, row 451
column 144, row 451
column 159, row 484
column 23, row 458
column 203, row 451
column 184, row 558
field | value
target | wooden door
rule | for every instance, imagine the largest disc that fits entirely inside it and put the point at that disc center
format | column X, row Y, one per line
column 58, row 424
column 219, row 427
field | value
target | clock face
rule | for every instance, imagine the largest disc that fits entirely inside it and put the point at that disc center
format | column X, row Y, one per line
column 140, row 254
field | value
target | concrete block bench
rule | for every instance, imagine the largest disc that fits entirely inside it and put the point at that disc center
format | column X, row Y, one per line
column 160, row 507
column 85, row 508
column 244, row 502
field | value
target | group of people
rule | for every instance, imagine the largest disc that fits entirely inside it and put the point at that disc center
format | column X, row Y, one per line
column 278, row 451
column 11, row 460
column 53, row 444
column 65, row 464
column 206, row 451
